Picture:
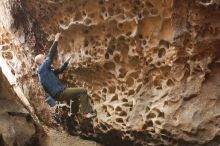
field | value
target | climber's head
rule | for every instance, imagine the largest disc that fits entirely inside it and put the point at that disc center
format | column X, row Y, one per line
column 39, row 59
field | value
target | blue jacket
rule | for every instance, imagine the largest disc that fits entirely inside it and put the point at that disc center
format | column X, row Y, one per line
column 48, row 75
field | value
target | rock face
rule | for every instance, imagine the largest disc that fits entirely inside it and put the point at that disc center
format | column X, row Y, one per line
column 17, row 126
column 149, row 66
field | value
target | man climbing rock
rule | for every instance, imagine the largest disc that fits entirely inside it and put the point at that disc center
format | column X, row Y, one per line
column 52, row 85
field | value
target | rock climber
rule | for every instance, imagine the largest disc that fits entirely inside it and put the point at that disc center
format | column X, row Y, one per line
column 48, row 77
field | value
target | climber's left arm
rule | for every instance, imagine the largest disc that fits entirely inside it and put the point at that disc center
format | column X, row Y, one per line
column 62, row 67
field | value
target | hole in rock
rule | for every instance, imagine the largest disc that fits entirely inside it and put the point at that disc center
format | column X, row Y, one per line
column 122, row 88
column 13, row 72
column 119, row 120
column 66, row 18
column 111, row 49
column 170, row 83
column 108, row 35
column 156, row 82
column 104, row 108
column 147, row 109
column 157, row 122
column 165, row 137
column 150, row 59
column 158, row 64
column 124, row 100
column 131, row 92
column 112, row 89
column 164, row 132
column 138, row 88
column 156, row 109
column 120, row 25
column 128, row 33
column 96, row 97
column 151, row 115
column 118, row 108
column 159, row 87
column 117, row 58
column 86, row 31
column 127, row 137
column 139, row 16
column 165, row 70
column 161, row 52
column 114, row 98
column 108, row 114
column 101, row 2
column 129, row 81
column 122, row 113
column 84, row 13
column 111, row 107
column 140, row 36
column 144, row 42
column 147, row 124
column 104, row 127
column 61, row 22
column 161, row 114
column 106, row 56
column 123, row 72
column 104, row 90
column 87, row 21
column 142, row 93
column 109, row 65
column 152, row 131
column 127, row 104
column 164, row 43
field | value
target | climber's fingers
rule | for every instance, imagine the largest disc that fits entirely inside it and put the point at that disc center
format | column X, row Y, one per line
column 57, row 36
column 68, row 59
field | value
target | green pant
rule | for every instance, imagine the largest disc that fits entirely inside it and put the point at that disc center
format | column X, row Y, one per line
column 77, row 95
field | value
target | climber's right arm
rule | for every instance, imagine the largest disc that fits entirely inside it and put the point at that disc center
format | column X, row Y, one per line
column 53, row 49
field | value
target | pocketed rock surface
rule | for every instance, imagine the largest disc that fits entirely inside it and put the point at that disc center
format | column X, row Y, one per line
column 149, row 65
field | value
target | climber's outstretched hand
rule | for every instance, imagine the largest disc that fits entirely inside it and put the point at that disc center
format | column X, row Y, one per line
column 57, row 36
column 68, row 59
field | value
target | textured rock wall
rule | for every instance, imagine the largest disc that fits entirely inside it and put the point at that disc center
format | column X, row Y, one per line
column 19, row 35
column 13, row 118
column 17, row 127
column 149, row 66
